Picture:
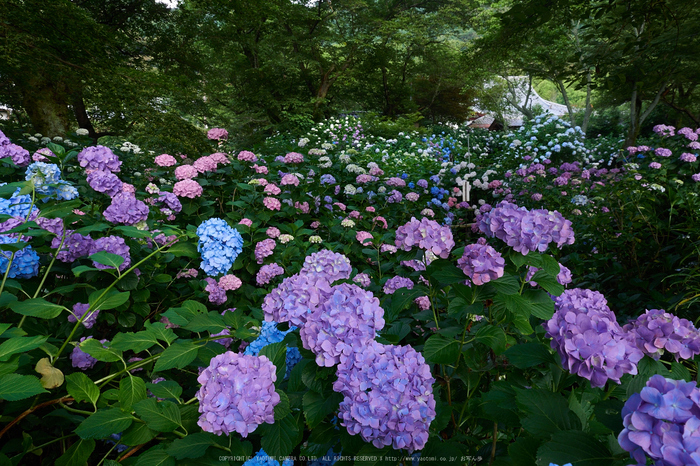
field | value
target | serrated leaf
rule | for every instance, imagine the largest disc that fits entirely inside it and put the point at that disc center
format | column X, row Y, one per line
column 178, row 355
column 136, row 342
column 507, row 284
column 95, row 349
column 81, row 388
column 50, row 376
column 440, row 350
column 82, row 269
column 163, row 416
column 137, row 434
column 104, row 423
column 131, row 391
column 156, row 456
column 445, row 272
column 402, row 298
column 77, row 454
column 133, row 232
column 184, row 248
column 548, row 282
column 15, row 387
column 192, row 446
column 107, row 258
column 276, row 353
column 526, row 355
column 550, row 265
column 37, row 307
column 212, row 322
column 282, row 408
column 159, row 331
column 6, row 298
column 540, row 304
column 279, row 439
column 547, row 412
column 105, row 300
column 165, row 389
column 19, row 345
column 579, row 448
column 317, row 407
column 492, row 336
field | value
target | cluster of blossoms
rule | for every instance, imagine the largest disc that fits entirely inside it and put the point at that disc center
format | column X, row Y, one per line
column 397, row 282
column 79, row 309
column 165, row 160
column 187, row 188
column 563, row 277
column 112, row 244
column 186, row 172
column 217, row 134
column 263, row 459
column 237, row 394
column 293, row 157
column 126, row 209
column 18, row 154
column 348, row 318
column 267, row 273
column 269, row 333
column 80, row 359
column 387, row 395
column 425, row 234
column 25, row 263
column 105, row 182
column 217, row 294
column 662, row 422
column 264, row 249
column 525, row 230
column 657, row 331
column 332, row 265
column 589, row 340
column 219, row 245
column 46, row 178
column 481, row 263
column 99, row 158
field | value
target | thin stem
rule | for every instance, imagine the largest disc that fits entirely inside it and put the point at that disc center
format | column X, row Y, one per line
column 493, row 444
column 47, row 444
column 73, row 410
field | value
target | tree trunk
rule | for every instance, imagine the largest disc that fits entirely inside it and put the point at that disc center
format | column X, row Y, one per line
column 46, row 103
column 569, row 109
column 589, row 108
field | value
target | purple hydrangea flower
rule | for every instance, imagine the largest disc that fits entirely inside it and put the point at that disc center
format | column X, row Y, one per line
column 81, row 359
column 105, row 182
column 348, row 318
column 217, row 295
column 19, row 155
column 663, row 423
column 99, row 158
column 126, row 209
column 525, row 230
column 74, row 246
column 79, row 309
column 657, row 331
column 267, row 273
column 387, row 395
column 237, row 394
column 264, row 249
column 425, row 234
column 115, row 245
column 394, row 197
column 362, row 279
column 481, row 263
column 397, row 282
column 170, row 200
column 563, row 277
column 332, row 265
column 589, row 340
column 296, row 297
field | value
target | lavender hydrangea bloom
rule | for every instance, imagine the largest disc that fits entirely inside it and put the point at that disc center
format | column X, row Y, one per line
column 263, row 249
column 19, row 155
column 481, row 263
column 105, row 182
column 170, row 200
column 126, row 209
column 99, row 158
column 387, row 395
column 114, row 245
column 397, row 282
column 589, row 340
column 267, row 273
column 332, row 265
column 362, row 279
column 74, row 246
column 563, row 277
column 296, row 297
column 25, row 263
column 219, row 245
column 525, row 230
column 237, row 394
column 217, row 295
column 348, row 318
column 657, row 331
column 426, row 234
column 79, row 309
column 80, row 359
column 663, row 423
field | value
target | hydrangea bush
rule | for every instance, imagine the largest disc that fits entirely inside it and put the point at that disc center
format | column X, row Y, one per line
column 334, row 296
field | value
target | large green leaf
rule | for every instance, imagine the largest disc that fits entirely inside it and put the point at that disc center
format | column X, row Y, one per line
column 507, row 284
column 104, row 300
column 107, row 258
column 159, row 331
column 192, row 446
column 77, row 454
column 317, row 406
column 276, row 353
column 178, row 355
column 156, row 456
column 403, row 297
column 95, row 349
column 104, row 423
column 440, row 350
column 131, row 391
column 165, row 389
column 20, row 345
column 546, row 412
column 138, row 434
column 135, row 342
column 577, row 447
column 527, row 355
column 82, row 388
column 184, row 248
column 492, row 336
column 163, row 416
column 212, row 322
column 15, row 387
column 279, row 439
column 37, row 307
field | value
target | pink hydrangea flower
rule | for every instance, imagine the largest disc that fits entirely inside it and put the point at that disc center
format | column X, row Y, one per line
column 686, row 157
column 261, row 181
column 370, row 209
column 247, row 156
column 289, row 179
column 187, row 188
column 655, row 165
column 293, row 157
column 272, row 203
column 272, row 189
column 220, row 157
column 186, row 172
column 273, row 232
column 382, row 221
column 303, row 206
column 413, row 197
column 364, row 237
column 262, row 170
column 205, row 164
column 230, row 282
column 247, row 222
column 165, row 160
column 315, row 225
column 128, row 188
column 217, row 134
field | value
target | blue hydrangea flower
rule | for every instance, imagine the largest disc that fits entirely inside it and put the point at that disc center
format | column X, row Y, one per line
column 262, row 459
column 270, row 334
column 219, row 245
column 25, row 263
